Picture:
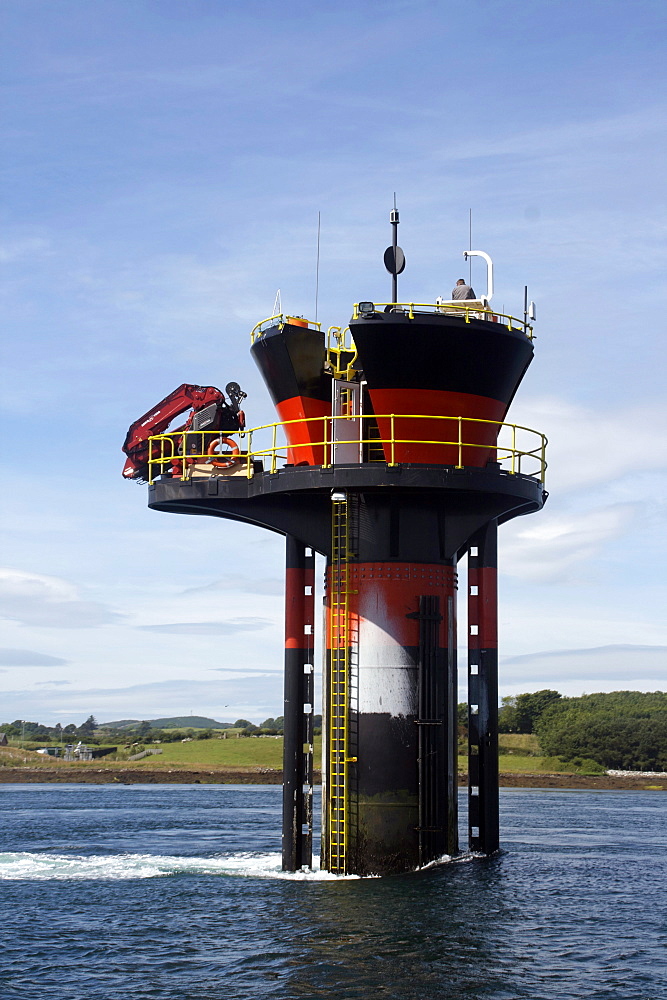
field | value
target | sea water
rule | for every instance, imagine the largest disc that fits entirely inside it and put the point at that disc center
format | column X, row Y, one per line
column 163, row 892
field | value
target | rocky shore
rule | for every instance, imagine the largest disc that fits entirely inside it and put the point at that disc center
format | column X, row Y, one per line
column 267, row 776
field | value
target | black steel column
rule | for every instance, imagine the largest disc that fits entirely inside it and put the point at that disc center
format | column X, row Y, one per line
column 298, row 710
column 432, row 754
column 483, row 819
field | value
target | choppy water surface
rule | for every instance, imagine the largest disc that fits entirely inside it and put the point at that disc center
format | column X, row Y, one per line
column 175, row 893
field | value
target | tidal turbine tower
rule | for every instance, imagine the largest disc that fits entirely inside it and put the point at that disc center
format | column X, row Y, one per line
column 391, row 458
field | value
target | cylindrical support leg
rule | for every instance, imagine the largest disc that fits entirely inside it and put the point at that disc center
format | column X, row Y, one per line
column 298, row 706
column 399, row 801
column 483, row 816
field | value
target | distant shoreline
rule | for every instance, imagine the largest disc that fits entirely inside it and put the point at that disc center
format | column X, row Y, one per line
column 267, row 776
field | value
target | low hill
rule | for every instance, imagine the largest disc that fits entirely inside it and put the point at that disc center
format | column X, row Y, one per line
column 178, row 722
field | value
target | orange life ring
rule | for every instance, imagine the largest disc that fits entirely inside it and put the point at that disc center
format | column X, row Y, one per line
column 225, row 463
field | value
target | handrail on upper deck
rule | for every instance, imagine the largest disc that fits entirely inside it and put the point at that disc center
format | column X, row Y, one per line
column 280, row 319
column 469, row 308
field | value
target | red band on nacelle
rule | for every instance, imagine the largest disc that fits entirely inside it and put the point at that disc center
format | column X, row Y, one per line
column 305, row 438
column 438, row 403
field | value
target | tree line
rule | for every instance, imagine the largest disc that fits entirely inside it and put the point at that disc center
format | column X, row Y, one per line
column 91, row 732
column 620, row 730
column 624, row 730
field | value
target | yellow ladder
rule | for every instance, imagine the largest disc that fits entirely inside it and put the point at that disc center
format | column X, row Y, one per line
column 339, row 641
column 373, row 443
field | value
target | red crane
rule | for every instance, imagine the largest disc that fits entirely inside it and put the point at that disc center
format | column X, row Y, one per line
column 209, row 411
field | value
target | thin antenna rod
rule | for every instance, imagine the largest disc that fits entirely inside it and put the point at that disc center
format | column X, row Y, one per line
column 394, row 227
column 470, row 245
column 317, row 269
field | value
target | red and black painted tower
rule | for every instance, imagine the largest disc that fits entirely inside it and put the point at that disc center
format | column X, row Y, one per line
column 392, row 459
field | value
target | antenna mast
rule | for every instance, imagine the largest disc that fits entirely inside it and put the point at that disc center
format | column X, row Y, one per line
column 394, row 258
column 317, row 268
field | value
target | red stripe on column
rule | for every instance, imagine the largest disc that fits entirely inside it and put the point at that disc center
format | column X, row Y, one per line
column 294, row 609
column 388, row 591
column 483, row 608
column 487, row 607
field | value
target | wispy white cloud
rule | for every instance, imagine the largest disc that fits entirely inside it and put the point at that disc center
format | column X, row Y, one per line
column 242, row 585
column 209, row 628
column 28, row 658
column 25, row 249
column 550, row 546
column 242, row 670
column 591, row 134
column 48, row 602
column 631, row 667
column 223, row 699
column 591, row 446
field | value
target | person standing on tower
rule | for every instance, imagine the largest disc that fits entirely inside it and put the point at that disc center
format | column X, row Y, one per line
column 462, row 291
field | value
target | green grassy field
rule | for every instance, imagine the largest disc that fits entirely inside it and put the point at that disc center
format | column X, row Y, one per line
column 259, row 752
column 244, row 752
column 524, row 744
column 519, row 754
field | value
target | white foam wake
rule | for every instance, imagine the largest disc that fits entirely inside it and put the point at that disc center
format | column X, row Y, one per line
column 24, row 865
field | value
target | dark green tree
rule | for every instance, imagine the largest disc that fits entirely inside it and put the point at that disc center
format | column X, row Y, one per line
column 244, row 724
column 529, row 708
column 519, row 713
column 624, row 730
column 87, row 728
column 507, row 715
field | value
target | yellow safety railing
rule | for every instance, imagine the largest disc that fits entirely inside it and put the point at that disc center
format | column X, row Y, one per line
column 519, row 450
column 280, row 319
column 341, row 358
column 467, row 309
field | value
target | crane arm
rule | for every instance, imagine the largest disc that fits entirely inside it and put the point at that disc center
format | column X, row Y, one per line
column 187, row 397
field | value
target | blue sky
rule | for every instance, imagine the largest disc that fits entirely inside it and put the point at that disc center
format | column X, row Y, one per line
column 164, row 163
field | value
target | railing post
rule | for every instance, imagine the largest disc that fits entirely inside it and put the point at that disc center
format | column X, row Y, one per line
column 393, row 445
column 460, row 422
column 513, row 470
